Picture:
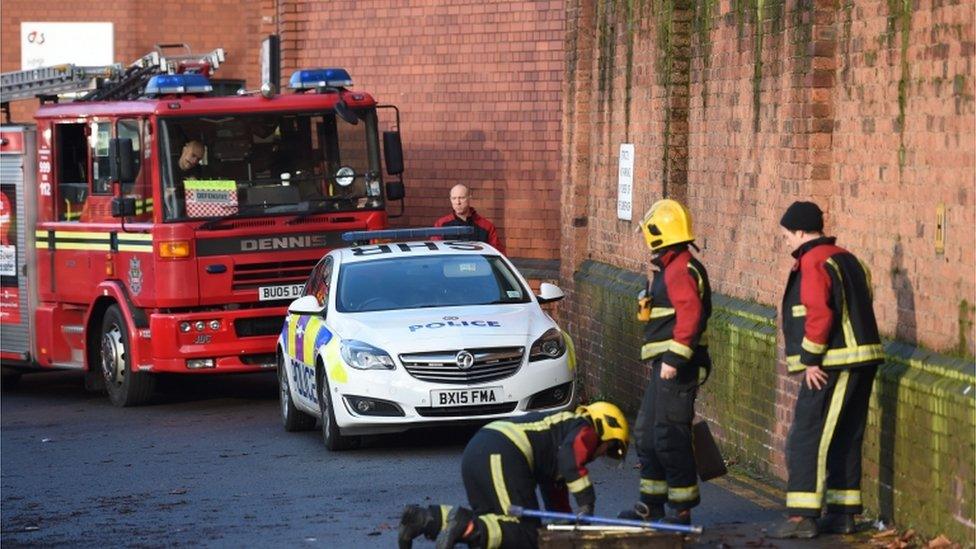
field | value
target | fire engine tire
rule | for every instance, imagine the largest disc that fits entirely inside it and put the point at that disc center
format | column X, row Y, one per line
column 335, row 441
column 9, row 378
column 124, row 387
column 291, row 417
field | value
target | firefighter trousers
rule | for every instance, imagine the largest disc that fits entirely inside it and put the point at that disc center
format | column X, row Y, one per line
column 664, row 444
column 497, row 475
column 823, row 447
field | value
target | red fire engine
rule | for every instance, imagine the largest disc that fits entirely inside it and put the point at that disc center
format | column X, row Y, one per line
column 150, row 227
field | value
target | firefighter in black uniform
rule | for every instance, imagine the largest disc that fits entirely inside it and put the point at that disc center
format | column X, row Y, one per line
column 831, row 336
column 677, row 312
column 504, row 463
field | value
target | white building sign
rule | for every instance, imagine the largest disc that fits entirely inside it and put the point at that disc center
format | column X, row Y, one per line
column 43, row 44
column 625, row 181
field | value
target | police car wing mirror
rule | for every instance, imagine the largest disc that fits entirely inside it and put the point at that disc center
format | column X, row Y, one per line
column 549, row 293
column 306, row 305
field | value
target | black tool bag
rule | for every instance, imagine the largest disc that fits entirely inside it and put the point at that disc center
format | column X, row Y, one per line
column 707, row 455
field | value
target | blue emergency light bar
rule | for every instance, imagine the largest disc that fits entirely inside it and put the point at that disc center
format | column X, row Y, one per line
column 167, row 84
column 309, row 79
column 407, row 234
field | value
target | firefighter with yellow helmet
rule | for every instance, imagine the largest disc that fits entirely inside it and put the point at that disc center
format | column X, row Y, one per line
column 676, row 309
column 504, row 463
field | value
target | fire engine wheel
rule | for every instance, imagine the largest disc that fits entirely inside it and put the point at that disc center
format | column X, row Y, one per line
column 124, row 387
column 291, row 417
column 334, row 440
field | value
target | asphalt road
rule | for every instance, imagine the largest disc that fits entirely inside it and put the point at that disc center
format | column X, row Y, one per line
column 209, row 464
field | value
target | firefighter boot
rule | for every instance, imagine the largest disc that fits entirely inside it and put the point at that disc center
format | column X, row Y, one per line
column 836, row 523
column 681, row 517
column 643, row 511
column 794, row 527
column 461, row 527
column 414, row 521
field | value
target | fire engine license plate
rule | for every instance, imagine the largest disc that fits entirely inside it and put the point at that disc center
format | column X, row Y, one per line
column 466, row 397
column 289, row 291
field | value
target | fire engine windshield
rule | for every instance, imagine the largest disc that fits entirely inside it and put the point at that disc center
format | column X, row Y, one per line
column 269, row 164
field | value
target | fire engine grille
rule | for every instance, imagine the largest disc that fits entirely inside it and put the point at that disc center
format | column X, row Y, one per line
column 485, row 410
column 254, row 275
column 442, row 367
column 258, row 326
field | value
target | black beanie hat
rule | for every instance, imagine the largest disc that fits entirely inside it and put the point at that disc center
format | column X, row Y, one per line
column 803, row 216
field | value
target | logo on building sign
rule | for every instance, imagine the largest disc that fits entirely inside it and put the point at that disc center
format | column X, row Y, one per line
column 135, row 275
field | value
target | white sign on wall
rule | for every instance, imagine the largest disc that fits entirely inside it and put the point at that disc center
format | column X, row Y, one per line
column 625, row 181
column 43, row 44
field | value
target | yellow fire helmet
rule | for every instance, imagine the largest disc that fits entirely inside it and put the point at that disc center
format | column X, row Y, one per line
column 665, row 224
column 611, row 426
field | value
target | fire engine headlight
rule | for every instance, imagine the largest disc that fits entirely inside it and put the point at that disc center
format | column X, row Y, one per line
column 184, row 327
column 215, row 325
column 199, row 325
column 364, row 356
column 550, row 345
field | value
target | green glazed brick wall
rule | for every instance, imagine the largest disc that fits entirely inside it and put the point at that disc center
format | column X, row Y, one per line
column 919, row 449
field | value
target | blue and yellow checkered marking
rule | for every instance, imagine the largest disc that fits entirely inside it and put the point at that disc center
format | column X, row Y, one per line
column 303, row 334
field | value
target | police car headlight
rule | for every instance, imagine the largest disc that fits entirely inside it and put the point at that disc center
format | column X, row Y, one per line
column 550, row 345
column 364, row 356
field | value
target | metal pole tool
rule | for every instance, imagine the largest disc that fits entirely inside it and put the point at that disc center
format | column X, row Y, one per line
column 517, row 511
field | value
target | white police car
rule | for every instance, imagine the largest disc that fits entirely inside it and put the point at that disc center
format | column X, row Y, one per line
column 391, row 336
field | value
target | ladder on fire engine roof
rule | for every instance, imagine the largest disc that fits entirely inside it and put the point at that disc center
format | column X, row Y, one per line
column 104, row 83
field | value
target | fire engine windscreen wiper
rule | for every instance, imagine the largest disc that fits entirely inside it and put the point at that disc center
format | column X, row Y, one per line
column 214, row 222
column 314, row 211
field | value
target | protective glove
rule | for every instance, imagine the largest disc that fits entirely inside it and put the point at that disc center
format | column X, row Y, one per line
column 643, row 306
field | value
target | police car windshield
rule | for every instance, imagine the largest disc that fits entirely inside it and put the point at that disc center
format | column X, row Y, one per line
column 269, row 164
column 428, row 281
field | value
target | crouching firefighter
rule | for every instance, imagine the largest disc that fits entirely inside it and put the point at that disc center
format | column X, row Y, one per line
column 504, row 463
column 676, row 308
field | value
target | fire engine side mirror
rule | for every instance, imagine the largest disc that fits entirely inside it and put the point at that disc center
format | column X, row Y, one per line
column 123, row 206
column 121, row 160
column 393, row 153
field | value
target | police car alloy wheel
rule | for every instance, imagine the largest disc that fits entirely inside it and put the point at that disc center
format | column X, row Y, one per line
column 292, row 418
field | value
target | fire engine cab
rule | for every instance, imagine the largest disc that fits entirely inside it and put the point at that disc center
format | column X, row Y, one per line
column 148, row 226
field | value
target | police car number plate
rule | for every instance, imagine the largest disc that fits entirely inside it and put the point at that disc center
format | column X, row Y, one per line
column 289, row 291
column 465, row 397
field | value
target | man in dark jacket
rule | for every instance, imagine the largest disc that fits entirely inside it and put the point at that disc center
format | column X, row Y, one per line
column 831, row 337
column 465, row 216
column 677, row 312
column 504, row 463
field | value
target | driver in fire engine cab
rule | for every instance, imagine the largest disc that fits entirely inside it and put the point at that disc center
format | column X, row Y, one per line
column 189, row 168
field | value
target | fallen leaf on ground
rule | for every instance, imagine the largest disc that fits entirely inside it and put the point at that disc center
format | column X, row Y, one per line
column 886, row 534
column 941, row 541
column 908, row 535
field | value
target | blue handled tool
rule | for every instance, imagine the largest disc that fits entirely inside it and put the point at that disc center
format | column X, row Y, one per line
column 517, row 511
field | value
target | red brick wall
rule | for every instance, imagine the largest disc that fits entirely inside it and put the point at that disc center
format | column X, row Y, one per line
column 141, row 24
column 820, row 118
column 478, row 86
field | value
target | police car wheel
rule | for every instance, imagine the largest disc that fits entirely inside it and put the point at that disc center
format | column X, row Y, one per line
column 124, row 387
column 292, row 418
column 334, row 440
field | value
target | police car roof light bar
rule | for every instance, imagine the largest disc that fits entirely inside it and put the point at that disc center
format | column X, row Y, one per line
column 407, row 234
column 517, row 511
